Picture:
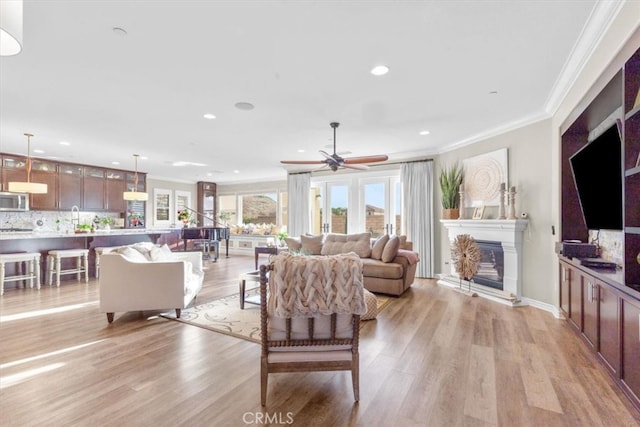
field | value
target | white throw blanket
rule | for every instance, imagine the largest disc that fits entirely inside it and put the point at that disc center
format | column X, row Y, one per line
column 301, row 286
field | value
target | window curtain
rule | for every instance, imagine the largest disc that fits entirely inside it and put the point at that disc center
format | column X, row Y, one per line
column 417, row 204
column 298, row 186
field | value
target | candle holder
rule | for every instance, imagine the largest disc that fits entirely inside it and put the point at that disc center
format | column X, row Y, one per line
column 512, row 203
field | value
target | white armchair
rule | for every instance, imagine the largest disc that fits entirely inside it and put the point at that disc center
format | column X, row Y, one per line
column 128, row 284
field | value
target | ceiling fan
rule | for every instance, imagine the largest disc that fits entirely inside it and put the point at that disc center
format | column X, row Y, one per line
column 334, row 161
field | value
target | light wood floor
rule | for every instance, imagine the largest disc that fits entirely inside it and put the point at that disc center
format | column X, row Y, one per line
column 433, row 357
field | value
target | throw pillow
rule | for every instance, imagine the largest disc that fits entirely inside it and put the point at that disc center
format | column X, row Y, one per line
column 359, row 243
column 390, row 249
column 161, row 253
column 293, row 244
column 131, row 254
column 378, row 246
column 144, row 248
column 311, row 245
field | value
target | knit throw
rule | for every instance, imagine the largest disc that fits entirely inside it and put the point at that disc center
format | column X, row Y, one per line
column 303, row 286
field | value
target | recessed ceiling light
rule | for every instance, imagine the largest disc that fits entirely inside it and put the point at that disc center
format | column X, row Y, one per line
column 379, row 70
column 65, row 143
column 38, row 151
column 244, row 106
column 209, row 116
column 236, row 171
column 144, row 158
column 424, row 132
column 183, row 163
column 493, row 92
column 119, row 31
column 301, row 151
column 115, row 163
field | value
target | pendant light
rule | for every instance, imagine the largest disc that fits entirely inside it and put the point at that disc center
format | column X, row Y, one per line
column 28, row 187
column 10, row 27
column 136, row 195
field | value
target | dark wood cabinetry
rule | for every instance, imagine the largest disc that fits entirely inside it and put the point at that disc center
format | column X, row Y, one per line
column 604, row 306
column 609, row 340
column 631, row 349
column 70, row 185
column 206, row 204
column 114, row 187
column 88, row 187
column 93, row 196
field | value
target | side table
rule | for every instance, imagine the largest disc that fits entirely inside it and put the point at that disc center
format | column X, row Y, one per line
column 271, row 250
column 252, row 276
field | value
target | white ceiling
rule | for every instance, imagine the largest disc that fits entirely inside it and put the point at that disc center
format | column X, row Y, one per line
column 302, row 64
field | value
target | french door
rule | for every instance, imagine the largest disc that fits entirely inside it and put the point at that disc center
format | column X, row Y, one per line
column 381, row 205
column 330, row 207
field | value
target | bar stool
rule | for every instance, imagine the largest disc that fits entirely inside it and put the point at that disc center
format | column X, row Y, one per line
column 99, row 251
column 54, row 265
column 33, row 260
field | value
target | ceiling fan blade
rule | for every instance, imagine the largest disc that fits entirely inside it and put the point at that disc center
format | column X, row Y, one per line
column 302, row 162
column 366, row 159
column 355, row 166
column 325, row 154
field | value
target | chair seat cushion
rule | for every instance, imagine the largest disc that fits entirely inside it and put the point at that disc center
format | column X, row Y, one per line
column 384, row 270
column 309, row 356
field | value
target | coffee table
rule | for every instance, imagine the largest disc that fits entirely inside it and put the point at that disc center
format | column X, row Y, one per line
column 252, row 276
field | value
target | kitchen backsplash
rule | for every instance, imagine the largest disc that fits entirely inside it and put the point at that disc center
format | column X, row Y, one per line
column 52, row 220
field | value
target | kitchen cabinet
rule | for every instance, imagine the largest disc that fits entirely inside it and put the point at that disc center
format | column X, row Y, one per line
column 70, row 185
column 93, row 194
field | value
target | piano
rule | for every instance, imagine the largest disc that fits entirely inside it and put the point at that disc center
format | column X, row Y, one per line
column 207, row 234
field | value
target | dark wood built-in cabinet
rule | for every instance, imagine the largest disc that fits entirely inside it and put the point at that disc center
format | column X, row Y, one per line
column 206, row 204
column 90, row 188
column 603, row 305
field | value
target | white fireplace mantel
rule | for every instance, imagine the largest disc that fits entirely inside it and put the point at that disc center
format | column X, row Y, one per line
column 509, row 232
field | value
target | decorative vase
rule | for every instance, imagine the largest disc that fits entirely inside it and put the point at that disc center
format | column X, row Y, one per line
column 186, row 223
column 450, row 213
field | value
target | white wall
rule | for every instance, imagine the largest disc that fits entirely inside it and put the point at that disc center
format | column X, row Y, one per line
column 534, row 159
column 530, row 169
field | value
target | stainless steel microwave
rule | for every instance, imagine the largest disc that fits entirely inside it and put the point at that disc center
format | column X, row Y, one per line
column 14, row 201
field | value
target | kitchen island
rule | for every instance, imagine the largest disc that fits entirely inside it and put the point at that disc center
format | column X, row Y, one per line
column 44, row 241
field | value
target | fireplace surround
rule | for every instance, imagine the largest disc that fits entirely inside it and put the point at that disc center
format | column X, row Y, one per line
column 509, row 234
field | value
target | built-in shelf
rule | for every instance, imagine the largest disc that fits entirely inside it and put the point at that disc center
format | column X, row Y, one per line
column 635, row 110
column 632, row 171
column 632, row 230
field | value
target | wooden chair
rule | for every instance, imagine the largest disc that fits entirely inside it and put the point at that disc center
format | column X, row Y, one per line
column 318, row 342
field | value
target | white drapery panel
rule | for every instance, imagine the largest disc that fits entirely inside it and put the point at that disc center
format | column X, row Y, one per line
column 299, row 211
column 417, row 203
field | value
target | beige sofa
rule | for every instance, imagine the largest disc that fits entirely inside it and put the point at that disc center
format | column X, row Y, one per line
column 389, row 264
column 132, row 280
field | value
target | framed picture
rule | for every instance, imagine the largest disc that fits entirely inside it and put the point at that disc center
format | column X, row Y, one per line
column 478, row 212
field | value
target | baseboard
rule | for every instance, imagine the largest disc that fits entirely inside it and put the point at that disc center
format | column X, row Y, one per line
column 555, row 311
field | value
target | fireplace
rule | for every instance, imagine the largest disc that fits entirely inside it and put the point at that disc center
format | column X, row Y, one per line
column 501, row 245
column 491, row 269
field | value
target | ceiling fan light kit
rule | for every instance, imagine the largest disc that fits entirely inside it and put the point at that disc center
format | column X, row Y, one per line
column 335, row 162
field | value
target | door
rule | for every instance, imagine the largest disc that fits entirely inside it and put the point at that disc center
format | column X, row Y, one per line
column 381, row 205
column 330, row 208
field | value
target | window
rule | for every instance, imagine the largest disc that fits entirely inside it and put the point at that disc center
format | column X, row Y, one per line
column 259, row 208
column 162, row 207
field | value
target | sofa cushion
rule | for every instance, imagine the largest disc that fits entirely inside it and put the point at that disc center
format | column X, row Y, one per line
column 378, row 246
column 383, row 270
column 344, row 243
column 131, row 254
column 161, row 253
column 294, row 244
column 311, row 245
column 390, row 249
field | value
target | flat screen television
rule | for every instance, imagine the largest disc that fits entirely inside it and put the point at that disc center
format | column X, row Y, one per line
column 597, row 174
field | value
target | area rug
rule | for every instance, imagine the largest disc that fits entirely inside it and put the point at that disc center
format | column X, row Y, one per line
column 225, row 316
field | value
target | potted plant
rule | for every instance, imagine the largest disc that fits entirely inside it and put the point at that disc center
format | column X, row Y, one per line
column 106, row 222
column 450, row 182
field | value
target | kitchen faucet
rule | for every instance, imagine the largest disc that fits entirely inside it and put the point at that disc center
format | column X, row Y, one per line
column 75, row 222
